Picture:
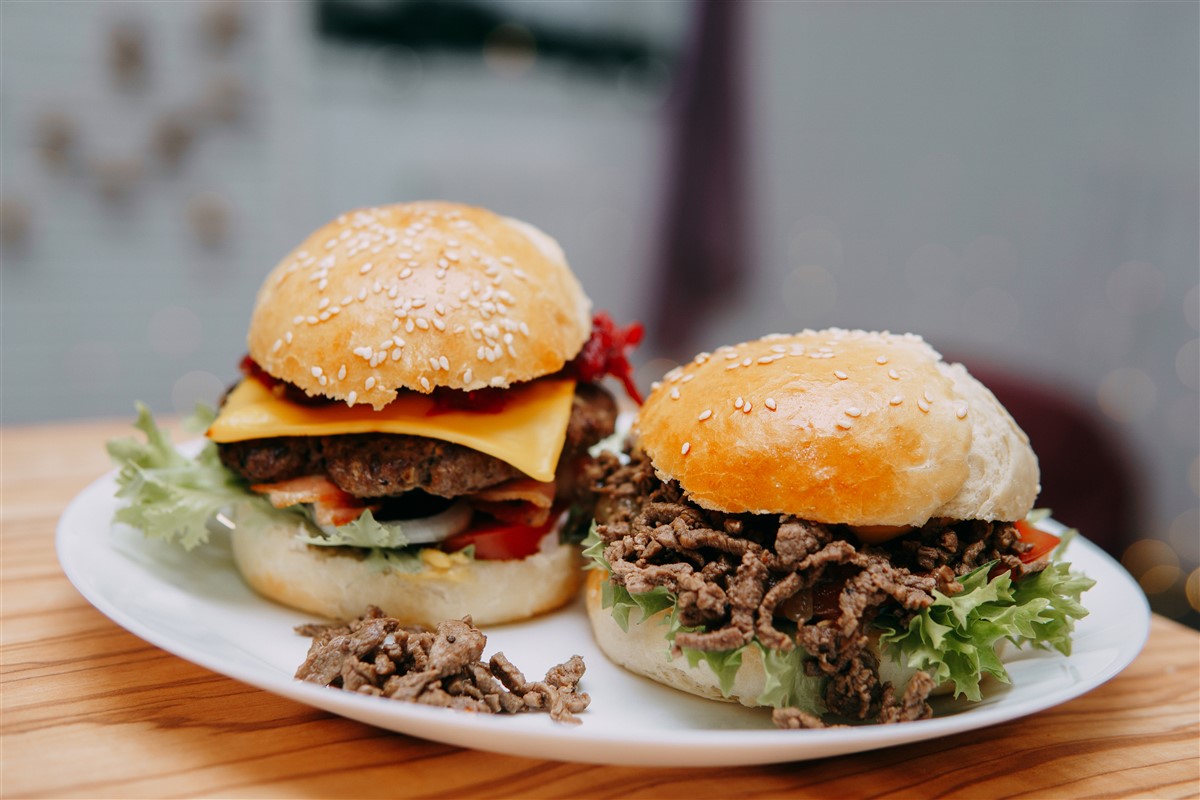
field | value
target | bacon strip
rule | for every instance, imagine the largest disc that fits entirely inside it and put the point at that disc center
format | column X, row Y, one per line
column 521, row 500
column 331, row 505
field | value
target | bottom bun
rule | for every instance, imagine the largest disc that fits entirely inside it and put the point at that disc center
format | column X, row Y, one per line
column 644, row 649
column 338, row 584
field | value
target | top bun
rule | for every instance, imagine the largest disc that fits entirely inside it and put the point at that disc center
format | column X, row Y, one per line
column 838, row 426
column 416, row 296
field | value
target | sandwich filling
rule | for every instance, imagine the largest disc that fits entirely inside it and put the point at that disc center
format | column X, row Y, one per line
column 816, row 599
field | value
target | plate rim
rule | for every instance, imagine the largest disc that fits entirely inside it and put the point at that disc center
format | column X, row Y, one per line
column 686, row 748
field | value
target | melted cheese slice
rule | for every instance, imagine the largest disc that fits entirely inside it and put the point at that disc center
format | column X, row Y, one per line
column 528, row 432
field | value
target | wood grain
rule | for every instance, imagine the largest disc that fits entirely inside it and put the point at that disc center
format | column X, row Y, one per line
column 89, row 710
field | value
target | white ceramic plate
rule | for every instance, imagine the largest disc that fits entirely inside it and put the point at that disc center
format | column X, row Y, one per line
column 195, row 606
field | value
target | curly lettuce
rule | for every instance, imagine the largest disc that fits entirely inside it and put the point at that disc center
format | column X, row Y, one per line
column 953, row 640
column 786, row 683
column 173, row 497
column 168, row 495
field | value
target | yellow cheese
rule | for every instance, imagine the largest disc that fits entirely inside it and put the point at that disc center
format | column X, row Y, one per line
column 528, row 432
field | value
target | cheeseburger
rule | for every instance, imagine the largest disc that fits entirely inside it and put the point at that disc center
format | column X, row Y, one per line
column 831, row 523
column 421, row 390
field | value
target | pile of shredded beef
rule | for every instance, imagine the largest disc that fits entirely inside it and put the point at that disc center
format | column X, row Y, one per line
column 376, row 655
column 741, row 576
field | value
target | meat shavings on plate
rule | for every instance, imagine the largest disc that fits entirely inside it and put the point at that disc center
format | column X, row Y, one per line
column 376, row 655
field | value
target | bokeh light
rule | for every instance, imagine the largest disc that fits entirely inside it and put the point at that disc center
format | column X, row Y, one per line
column 1184, row 535
column 1192, row 589
column 510, row 50
column 1126, row 394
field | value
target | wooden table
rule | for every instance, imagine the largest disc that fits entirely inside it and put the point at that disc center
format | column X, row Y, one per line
column 89, row 710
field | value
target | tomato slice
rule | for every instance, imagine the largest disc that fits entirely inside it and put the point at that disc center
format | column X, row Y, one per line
column 501, row 541
column 1042, row 542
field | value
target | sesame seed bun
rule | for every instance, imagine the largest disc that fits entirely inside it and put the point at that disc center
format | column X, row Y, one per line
column 417, row 296
column 835, row 426
column 337, row 583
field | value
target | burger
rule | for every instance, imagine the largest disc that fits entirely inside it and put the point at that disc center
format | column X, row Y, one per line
column 412, row 425
column 834, row 523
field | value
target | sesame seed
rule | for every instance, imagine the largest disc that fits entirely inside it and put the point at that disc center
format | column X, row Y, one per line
column 370, row 383
column 444, row 363
column 437, row 323
column 844, row 425
column 686, row 447
column 433, row 362
column 924, row 406
column 893, row 374
column 467, row 375
column 746, row 408
column 841, row 376
column 674, row 394
column 496, row 381
column 881, row 360
column 342, row 372
column 747, row 361
column 770, row 403
column 365, row 268
column 396, row 354
column 353, row 396
column 778, row 348
column 961, row 412
column 731, row 356
column 425, row 384
column 321, row 306
column 296, row 320
column 705, row 414
column 278, row 344
column 406, row 272
column 928, row 399
column 896, row 400
column 686, row 378
column 766, row 360
column 422, row 323
column 316, row 372
column 287, row 337
column 440, row 308
column 739, row 402
column 853, row 411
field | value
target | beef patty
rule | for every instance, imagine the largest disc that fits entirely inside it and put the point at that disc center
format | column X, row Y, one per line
column 384, row 465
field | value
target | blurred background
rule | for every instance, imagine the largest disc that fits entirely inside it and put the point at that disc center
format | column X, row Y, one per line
column 1018, row 182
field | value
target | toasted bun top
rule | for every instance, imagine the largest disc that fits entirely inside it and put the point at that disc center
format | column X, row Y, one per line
column 415, row 296
column 838, row 426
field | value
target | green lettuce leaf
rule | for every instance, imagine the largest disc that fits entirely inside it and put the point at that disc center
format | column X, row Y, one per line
column 955, row 638
column 365, row 531
column 169, row 495
column 786, row 685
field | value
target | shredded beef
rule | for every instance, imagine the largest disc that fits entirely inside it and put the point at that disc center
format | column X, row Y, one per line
column 376, row 655
column 740, row 576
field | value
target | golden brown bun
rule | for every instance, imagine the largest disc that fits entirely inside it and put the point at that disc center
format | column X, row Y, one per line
column 842, row 427
column 333, row 583
column 415, row 296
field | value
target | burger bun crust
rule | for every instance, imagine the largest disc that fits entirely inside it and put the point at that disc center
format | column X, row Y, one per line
column 335, row 583
column 417, row 296
column 835, row 426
